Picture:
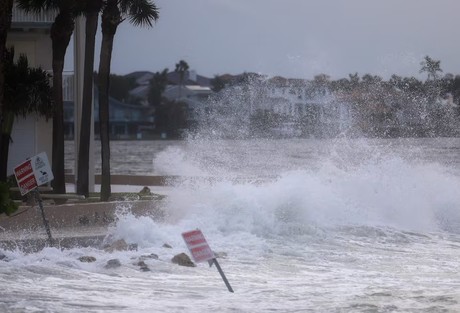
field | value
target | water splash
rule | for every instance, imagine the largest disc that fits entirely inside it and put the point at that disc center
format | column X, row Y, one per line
column 307, row 187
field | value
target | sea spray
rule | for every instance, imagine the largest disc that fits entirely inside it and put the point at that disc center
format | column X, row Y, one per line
column 382, row 188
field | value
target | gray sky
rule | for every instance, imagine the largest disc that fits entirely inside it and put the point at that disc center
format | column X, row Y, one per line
column 294, row 38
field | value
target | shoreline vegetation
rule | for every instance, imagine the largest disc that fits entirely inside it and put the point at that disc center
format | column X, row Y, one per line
column 252, row 105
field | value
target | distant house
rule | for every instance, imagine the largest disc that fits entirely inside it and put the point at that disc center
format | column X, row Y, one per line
column 195, row 97
column 190, row 78
column 194, row 90
column 141, row 77
column 126, row 121
column 182, row 93
column 29, row 35
column 142, row 80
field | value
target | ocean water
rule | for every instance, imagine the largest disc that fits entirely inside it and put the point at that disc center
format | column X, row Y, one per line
column 301, row 226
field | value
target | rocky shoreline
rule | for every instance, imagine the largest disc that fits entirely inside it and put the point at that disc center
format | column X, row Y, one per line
column 78, row 225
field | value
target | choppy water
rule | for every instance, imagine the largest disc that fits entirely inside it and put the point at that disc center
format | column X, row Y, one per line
column 317, row 226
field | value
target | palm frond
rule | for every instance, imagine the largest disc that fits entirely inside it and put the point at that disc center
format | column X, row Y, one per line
column 37, row 6
column 27, row 90
column 140, row 12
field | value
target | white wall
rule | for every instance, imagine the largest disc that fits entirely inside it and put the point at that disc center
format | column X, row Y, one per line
column 34, row 134
column 30, row 136
column 37, row 47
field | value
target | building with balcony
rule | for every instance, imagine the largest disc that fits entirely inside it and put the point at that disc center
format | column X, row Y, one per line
column 30, row 35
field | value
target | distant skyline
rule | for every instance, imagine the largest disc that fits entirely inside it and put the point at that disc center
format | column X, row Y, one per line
column 294, row 38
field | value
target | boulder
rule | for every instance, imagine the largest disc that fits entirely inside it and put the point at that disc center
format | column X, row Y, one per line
column 87, row 259
column 145, row 191
column 113, row 263
column 151, row 256
column 166, row 245
column 143, row 266
column 183, row 259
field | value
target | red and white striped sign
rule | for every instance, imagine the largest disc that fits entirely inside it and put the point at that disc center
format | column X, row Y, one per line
column 197, row 245
column 32, row 173
column 22, row 170
column 25, row 177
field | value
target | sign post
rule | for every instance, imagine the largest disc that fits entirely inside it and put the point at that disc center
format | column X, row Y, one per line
column 45, row 221
column 29, row 175
column 201, row 252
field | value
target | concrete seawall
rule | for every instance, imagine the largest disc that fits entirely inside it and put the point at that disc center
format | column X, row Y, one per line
column 76, row 224
column 137, row 180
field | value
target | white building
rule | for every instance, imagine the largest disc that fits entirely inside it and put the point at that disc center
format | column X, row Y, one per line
column 193, row 95
column 30, row 35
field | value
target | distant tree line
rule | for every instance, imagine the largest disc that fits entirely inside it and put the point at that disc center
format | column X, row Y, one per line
column 398, row 106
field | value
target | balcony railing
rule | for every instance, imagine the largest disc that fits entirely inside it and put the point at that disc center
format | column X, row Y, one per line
column 40, row 19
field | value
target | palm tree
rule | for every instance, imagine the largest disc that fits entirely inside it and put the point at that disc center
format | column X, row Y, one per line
column 6, row 7
column 431, row 67
column 27, row 90
column 61, row 32
column 91, row 11
column 139, row 13
column 432, row 84
column 181, row 68
column 157, row 86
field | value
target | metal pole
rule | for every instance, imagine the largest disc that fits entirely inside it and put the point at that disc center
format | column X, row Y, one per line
column 45, row 221
column 222, row 275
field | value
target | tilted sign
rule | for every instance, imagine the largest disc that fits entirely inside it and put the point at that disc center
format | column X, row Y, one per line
column 32, row 173
column 198, row 246
column 201, row 252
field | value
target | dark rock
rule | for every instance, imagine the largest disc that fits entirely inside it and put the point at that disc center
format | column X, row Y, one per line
column 168, row 246
column 2, row 257
column 145, row 191
column 183, row 260
column 151, row 256
column 143, row 266
column 87, row 259
column 113, row 263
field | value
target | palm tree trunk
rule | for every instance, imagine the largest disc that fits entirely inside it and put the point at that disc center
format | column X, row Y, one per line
column 87, row 105
column 111, row 18
column 6, row 7
column 61, row 31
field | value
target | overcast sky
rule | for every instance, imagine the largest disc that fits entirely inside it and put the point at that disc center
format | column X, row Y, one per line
column 294, row 38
